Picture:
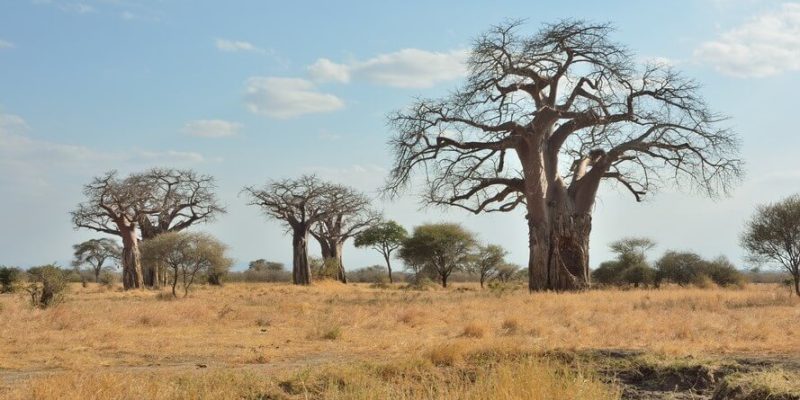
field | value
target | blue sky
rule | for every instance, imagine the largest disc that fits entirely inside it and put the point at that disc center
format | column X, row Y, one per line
column 253, row 90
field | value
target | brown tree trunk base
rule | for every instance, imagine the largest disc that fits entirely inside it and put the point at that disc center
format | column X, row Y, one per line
column 559, row 258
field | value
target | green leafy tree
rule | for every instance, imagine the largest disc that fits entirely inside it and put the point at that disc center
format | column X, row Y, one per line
column 186, row 255
column 95, row 253
column 262, row 265
column 384, row 237
column 630, row 267
column 772, row 237
column 439, row 249
column 485, row 262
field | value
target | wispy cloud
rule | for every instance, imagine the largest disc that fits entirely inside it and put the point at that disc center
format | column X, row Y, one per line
column 128, row 10
column 766, row 45
column 407, row 68
column 4, row 44
column 29, row 161
column 287, row 97
column 211, row 128
column 234, row 46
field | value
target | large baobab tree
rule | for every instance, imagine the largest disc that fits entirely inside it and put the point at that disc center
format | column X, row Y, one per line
column 301, row 204
column 115, row 206
column 96, row 252
column 353, row 215
column 542, row 120
column 183, row 198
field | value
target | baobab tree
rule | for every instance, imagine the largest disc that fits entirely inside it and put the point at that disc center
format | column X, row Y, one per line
column 183, row 198
column 384, row 237
column 301, row 204
column 115, row 206
column 353, row 216
column 542, row 120
column 96, row 252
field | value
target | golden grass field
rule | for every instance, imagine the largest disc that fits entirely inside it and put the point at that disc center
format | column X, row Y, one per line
column 265, row 341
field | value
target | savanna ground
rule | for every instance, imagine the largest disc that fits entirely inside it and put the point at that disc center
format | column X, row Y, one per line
column 278, row 341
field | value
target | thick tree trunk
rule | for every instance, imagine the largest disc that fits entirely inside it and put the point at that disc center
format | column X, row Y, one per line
column 301, row 271
column 444, row 281
column 332, row 250
column 538, row 257
column 336, row 254
column 568, row 264
column 796, row 284
column 131, row 259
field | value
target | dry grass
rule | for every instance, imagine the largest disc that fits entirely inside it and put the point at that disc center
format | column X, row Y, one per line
column 284, row 328
column 521, row 378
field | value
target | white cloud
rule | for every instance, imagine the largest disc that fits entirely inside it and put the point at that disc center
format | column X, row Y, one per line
column 325, row 70
column 170, row 156
column 407, row 68
column 4, row 44
column 211, row 128
column 236, row 46
column 766, row 45
column 287, row 97
column 31, row 162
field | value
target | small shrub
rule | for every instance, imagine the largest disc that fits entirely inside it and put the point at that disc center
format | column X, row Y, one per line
column 107, row 278
column 474, row 330
column 411, row 317
column 165, row 296
column 10, row 279
column 326, row 331
column 47, row 286
column 511, row 326
column 448, row 355
column 332, row 334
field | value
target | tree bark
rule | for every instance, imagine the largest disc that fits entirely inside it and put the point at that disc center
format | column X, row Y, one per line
column 336, row 254
column 301, row 271
column 332, row 250
column 796, row 284
column 568, row 266
column 444, row 281
column 131, row 259
column 388, row 266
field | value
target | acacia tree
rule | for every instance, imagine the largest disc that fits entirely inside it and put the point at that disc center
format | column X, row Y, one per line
column 439, row 249
column 352, row 217
column 183, row 198
column 542, row 120
column 96, row 252
column 485, row 262
column 187, row 255
column 115, row 206
column 300, row 204
column 385, row 237
column 773, row 236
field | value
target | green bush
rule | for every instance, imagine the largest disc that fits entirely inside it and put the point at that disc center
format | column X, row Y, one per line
column 47, row 285
column 639, row 275
column 10, row 279
column 608, row 273
column 686, row 268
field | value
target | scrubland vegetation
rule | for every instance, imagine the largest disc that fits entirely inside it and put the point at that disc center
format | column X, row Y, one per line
column 331, row 340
